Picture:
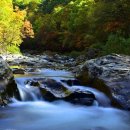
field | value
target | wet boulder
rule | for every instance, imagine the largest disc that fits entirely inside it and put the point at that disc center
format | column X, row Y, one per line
column 110, row 74
column 52, row 90
column 8, row 88
column 81, row 97
column 51, row 85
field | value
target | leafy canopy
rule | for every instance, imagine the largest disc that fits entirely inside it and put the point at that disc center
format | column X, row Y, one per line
column 11, row 22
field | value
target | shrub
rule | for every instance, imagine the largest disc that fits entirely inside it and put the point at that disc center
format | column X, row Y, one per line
column 117, row 44
column 13, row 49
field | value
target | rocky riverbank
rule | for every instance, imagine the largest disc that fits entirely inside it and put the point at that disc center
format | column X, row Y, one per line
column 54, row 61
column 34, row 70
column 109, row 74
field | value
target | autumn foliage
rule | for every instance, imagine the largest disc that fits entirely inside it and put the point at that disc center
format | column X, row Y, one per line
column 64, row 25
column 27, row 30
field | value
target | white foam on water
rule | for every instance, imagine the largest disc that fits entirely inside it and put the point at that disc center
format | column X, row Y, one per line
column 41, row 115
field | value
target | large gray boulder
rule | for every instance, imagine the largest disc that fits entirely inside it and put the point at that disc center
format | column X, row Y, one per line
column 8, row 88
column 53, row 90
column 110, row 74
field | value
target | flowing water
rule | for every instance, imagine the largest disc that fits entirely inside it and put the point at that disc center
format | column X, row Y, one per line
column 33, row 113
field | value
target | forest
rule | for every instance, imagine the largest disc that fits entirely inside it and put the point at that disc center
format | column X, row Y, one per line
column 65, row 26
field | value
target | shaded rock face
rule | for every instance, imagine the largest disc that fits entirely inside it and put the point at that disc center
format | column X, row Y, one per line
column 8, row 87
column 110, row 74
column 71, row 82
column 52, row 90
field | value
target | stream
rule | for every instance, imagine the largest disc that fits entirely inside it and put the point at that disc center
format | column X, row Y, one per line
column 35, row 113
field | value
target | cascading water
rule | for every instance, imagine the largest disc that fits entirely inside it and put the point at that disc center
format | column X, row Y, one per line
column 102, row 99
column 33, row 113
column 27, row 93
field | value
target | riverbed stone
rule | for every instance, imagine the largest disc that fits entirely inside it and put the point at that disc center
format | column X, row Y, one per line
column 110, row 74
column 54, row 61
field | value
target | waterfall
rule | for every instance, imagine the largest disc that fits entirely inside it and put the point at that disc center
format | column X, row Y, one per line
column 27, row 92
column 31, row 93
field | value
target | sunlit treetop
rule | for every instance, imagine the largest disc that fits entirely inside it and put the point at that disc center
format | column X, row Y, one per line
column 26, row 2
column 11, row 22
